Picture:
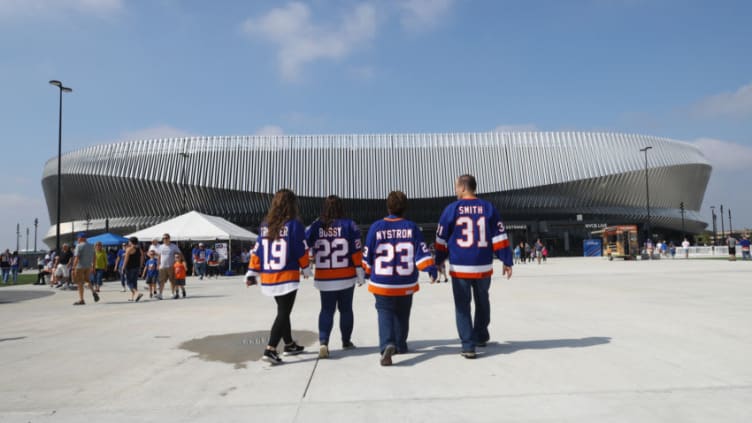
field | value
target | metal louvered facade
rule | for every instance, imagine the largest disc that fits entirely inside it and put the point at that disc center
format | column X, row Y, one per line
column 529, row 176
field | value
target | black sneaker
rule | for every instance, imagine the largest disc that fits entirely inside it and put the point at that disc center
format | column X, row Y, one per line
column 79, row 303
column 183, row 293
column 348, row 345
column 482, row 344
column 271, row 357
column 468, row 354
column 139, row 297
column 176, row 296
column 386, row 357
column 293, row 349
column 96, row 296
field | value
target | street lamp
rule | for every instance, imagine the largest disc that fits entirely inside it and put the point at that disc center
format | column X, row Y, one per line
column 185, row 197
column 715, row 231
column 36, row 223
column 681, row 206
column 731, row 229
column 722, row 230
column 647, row 187
column 63, row 89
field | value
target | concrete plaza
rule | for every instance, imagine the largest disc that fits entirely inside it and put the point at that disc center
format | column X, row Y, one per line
column 580, row 340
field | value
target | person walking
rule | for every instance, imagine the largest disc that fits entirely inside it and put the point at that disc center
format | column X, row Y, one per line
column 731, row 242
column 83, row 265
column 393, row 253
column 744, row 243
column 119, row 265
column 100, row 265
column 685, row 247
column 469, row 234
column 5, row 265
column 199, row 261
column 15, row 265
column 133, row 259
column 539, row 250
column 166, row 253
column 151, row 273
column 180, row 270
column 278, row 259
column 337, row 253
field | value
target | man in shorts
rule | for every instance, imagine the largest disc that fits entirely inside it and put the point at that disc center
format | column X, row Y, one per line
column 167, row 252
column 83, row 265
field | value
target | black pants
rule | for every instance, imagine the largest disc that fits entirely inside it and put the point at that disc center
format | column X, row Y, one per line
column 281, row 327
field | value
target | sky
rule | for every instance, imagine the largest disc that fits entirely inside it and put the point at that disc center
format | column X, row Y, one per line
column 159, row 68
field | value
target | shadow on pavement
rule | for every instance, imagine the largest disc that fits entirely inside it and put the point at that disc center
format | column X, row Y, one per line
column 12, row 296
column 428, row 349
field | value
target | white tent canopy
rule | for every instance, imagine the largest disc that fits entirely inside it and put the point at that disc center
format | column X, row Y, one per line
column 195, row 226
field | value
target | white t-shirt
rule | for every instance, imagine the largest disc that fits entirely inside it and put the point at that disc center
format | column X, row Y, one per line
column 167, row 255
column 685, row 244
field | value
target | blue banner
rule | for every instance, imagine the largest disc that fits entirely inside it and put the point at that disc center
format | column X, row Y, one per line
column 592, row 247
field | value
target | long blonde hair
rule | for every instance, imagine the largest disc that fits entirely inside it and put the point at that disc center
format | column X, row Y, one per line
column 284, row 207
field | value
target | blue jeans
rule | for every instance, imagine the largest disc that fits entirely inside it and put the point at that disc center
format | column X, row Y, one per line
column 745, row 255
column 394, row 320
column 330, row 300
column 471, row 330
column 122, row 277
column 201, row 270
column 98, row 276
column 6, row 272
column 14, row 273
column 131, row 278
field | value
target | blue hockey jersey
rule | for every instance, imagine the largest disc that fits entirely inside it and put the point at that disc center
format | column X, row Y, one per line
column 470, row 232
column 278, row 262
column 336, row 253
column 393, row 254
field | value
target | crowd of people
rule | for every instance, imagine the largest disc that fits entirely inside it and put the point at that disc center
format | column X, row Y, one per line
column 160, row 262
column 524, row 253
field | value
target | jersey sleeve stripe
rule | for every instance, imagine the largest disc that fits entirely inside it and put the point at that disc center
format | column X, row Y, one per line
column 357, row 258
column 424, row 262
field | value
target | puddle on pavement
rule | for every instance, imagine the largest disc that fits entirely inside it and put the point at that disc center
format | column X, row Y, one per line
column 239, row 348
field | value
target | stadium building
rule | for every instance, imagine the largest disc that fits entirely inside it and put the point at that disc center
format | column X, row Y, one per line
column 557, row 185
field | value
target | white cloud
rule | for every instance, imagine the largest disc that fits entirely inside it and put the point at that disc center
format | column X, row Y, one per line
column 736, row 104
column 301, row 41
column 527, row 127
column 421, row 15
column 270, row 130
column 155, row 132
column 46, row 8
column 725, row 155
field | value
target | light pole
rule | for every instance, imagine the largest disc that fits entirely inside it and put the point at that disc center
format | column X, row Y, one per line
column 722, row 230
column 27, row 239
column 63, row 89
column 647, row 189
column 185, row 197
column 18, row 236
column 715, row 231
column 681, row 206
column 731, row 229
column 36, row 223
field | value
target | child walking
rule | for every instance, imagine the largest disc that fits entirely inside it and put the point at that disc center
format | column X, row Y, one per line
column 180, row 273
